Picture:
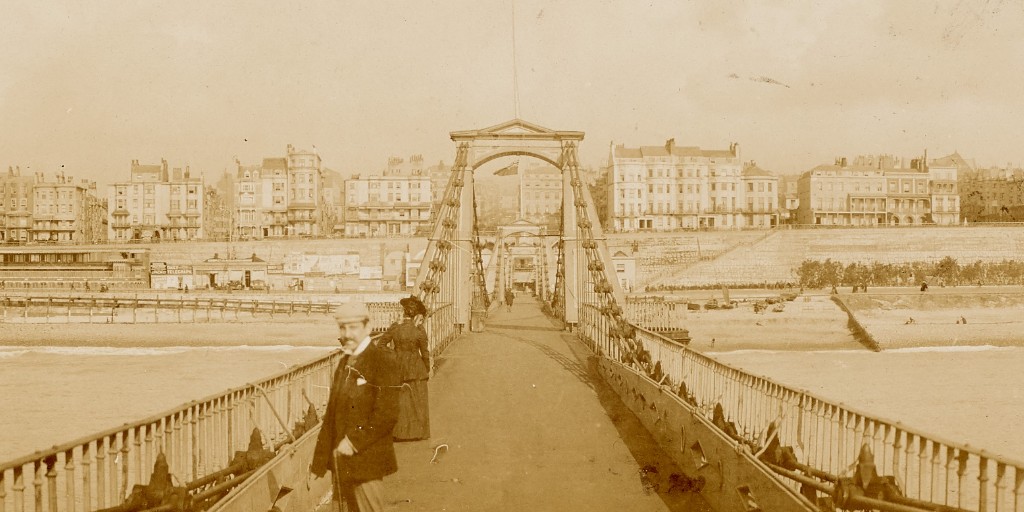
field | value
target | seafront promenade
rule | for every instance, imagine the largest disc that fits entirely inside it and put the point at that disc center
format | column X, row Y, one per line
column 529, row 424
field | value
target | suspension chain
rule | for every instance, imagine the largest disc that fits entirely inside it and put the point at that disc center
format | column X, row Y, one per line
column 620, row 330
column 447, row 218
column 478, row 263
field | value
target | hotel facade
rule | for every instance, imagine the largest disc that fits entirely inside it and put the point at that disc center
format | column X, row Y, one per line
column 670, row 187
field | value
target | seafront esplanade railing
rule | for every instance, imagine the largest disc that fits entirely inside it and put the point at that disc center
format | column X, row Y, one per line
column 198, row 439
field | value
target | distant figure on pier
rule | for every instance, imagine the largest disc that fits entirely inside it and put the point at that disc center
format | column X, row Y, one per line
column 408, row 338
column 510, row 297
column 355, row 441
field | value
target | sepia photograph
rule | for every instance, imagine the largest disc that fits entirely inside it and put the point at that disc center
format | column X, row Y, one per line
column 504, row 255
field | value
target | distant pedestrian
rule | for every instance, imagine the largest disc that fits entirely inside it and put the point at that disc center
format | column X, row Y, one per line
column 924, row 286
column 510, row 297
column 963, row 320
column 712, row 343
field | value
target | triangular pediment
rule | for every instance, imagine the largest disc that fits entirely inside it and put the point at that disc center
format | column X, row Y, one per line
column 516, row 127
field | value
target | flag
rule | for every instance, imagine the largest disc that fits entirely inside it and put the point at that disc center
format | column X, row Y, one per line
column 508, row 170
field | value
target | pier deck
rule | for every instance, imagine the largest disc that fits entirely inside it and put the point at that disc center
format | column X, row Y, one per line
column 530, row 425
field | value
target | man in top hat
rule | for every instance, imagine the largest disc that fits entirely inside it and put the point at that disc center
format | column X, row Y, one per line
column 355, row 441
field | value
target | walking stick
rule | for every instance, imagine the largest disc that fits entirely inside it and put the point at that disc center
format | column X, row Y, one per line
column 336, row 481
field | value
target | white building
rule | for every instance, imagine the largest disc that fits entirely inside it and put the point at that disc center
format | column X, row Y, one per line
column 156, row 204
column 283, row 196
column 394, row 203
column 664, row 188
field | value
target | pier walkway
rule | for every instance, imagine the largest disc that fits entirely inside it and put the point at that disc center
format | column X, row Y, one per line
column 530, row 425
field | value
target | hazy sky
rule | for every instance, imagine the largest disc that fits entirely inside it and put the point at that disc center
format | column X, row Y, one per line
column 92, row 85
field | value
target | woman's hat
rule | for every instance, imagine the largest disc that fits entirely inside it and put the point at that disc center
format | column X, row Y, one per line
column 413, row 306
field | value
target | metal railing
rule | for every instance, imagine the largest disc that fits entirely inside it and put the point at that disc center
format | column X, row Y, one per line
column 198, row 438
column 656, row 313
column 826, row 435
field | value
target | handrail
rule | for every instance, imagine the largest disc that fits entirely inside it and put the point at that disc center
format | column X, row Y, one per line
column 828, row 434
column 809, row 394
column 57, row 449
column 198, row 437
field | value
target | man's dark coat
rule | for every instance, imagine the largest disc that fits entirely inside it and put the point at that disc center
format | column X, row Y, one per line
column 363, row 406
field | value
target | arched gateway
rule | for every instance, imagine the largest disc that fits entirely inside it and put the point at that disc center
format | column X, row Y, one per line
column 454, row 233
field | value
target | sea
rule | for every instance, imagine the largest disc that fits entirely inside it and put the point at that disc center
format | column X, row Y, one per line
column 54, row 394
column 50, row 394
column 971, row 395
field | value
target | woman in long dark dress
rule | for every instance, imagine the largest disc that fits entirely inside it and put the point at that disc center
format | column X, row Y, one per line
column 409, row 340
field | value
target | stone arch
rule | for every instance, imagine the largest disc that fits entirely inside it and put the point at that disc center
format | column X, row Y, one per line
column 503, row 154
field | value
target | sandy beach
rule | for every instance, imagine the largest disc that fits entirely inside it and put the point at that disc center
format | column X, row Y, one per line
column 809, row 323
column 945, row 319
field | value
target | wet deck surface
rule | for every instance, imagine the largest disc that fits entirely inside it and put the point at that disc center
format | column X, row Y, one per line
column 529, row 425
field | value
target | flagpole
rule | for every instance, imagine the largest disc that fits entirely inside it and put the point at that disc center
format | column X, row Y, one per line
column 515, row 70
column 522, row 193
